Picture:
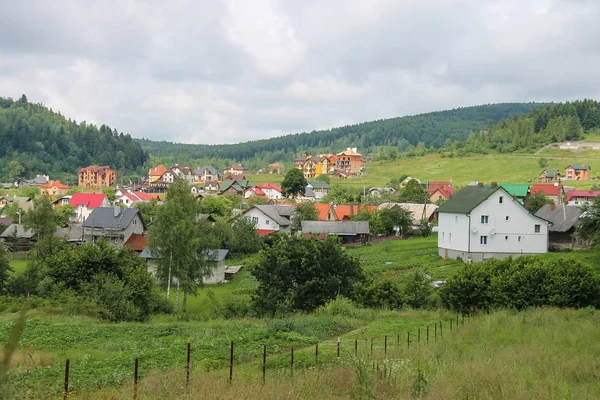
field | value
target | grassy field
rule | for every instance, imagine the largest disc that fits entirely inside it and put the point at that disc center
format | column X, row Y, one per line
column 18, row 265
column 537, row 354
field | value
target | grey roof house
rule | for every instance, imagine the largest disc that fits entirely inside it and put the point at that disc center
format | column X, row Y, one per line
column 116, row 224
column 348, row 231
column 564, row 220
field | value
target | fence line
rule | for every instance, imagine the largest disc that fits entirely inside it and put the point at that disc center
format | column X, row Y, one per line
column 264, row 360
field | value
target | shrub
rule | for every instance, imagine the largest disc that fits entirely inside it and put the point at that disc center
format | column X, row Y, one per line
column 418, row 291
column 381, row 293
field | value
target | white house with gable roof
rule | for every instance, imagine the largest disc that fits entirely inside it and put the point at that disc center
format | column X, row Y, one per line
column 482, row 222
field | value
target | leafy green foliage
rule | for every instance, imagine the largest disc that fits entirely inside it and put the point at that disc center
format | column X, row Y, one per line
column 5, row 268
column 303, row 274
column 418, row 290
column 63, row 214
column 522, row 283
column 243, row 239
column 293, row 183
column 543, row 162
column 394, row 218
column 375, row 224
column 220, row 206
column 341, row 195
column 37, row 140
column 304, row 212
column 380, row 293
column 589, row 222
column 413, row 192
column 535, row 201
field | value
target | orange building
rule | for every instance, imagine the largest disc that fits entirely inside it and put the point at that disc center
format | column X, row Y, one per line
column 580, row 172
column 54, row 187
column 349, row 160
column 95, row 175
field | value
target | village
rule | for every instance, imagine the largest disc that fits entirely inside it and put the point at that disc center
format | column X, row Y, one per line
column 474, row 223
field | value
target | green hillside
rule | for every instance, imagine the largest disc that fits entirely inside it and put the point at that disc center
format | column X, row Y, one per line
column 431, row 129
column 36, row 140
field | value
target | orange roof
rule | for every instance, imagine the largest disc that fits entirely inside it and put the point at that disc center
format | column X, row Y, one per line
column 343, row 211
column 323, row 210
column 136, row 242
column 56, row 184
column 264, row 232
column 158, row 170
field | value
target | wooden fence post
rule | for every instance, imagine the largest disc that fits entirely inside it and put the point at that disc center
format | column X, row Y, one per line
column 66, row 387
column 419, row 336
column 292, row 362
column 435, row 331
column 385, row 346
column 135, row 380
column 450, row 323
column 441, row 330
column 372, row 345
column 338, row 347
column 355, row 347
column 408, row 340
column 427, row 342
column 264, row 362
column 187, row 368
column 316, row 356
column 231, row 362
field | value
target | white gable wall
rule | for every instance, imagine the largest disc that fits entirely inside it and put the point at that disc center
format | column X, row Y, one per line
column 262, row 221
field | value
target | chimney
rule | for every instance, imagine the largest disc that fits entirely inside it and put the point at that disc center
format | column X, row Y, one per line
column 494, row 184
column 117, row 211
column 480, row 184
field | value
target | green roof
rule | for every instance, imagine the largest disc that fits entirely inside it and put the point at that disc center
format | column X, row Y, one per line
column 580, row 166
column 239, row 184
column 552, row 172
column 319, row 184
column 466, row 199
column 516, row 189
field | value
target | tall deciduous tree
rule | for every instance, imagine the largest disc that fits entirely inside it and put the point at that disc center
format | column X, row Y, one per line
column 536, row 201
column 42, row 220
column 589, row 222
column 5, row 268
column 293, row 183
column 396, row 219
column 413, row 192
column 303, row 212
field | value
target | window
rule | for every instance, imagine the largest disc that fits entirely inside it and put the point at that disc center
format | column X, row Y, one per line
column 134, row 221
column 537, row 228
column 255, row 220
column 443, row 236
column 500, row 199
column 450, row 238
column 485, row 219
column 267, row 222
column 456, row 219
column 507, row 218
column 505, row 237
column 519, row 238
column 483, row 240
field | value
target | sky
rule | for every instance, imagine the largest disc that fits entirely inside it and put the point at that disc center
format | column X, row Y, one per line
column 227, row 71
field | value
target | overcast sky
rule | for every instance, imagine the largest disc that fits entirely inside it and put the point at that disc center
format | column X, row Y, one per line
column 211, row 71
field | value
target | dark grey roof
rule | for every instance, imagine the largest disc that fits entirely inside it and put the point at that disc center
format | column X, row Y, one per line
column 105, row 218
column 336, row 227
column 214, row 255
column 469, row 197
column 562, row 217
column 308, row 192
column 211, row 170
column 72, row 233
column 279, row 214
column 319, row 184
column 18, row 230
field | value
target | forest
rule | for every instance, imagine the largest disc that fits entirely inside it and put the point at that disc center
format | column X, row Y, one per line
column 37, row 140
column 430, row 129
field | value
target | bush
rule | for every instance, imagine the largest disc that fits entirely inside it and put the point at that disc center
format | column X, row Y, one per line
column 522, row 283
column 418, row 291
column 381, row 293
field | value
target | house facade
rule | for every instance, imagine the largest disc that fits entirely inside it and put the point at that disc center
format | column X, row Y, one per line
column 581, row 197
column 115, row 224
column 207, row 173
column 273, row 192
column 95, row 175
column 271, row 218
column 483, row 222
column 549, row 175
column 84, row 204
column 564, row 219
column 349, row 160
column 580, row 172
column 554, row 191
column 319, row 188
column 235, row 170
column 54, row 188
column 154, row 174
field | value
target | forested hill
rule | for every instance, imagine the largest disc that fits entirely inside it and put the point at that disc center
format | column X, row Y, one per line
column 432, row 129
column 35, row 140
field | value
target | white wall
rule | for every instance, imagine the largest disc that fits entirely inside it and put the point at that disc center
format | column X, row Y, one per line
column 453, row 231
column 272, row 194
column 262, row 220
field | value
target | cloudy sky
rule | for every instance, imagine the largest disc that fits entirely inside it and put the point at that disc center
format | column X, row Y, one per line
column 224, row 71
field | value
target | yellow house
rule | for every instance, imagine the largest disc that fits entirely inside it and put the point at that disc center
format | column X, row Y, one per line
column 322, row 166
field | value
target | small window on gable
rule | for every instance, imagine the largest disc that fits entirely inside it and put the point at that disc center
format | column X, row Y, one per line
column 537, row 228
column 443, row 236
column 505, row 237
column 519, row 238
column 134, row 221
column 485, row 219
column 501, row 199
column 456, row 219
column 449, row 237
column 267, row 222
column 507, row 218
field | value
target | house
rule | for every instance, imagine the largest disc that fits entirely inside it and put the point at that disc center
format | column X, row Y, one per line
column 116, row 224
column 319, row 188
column 234, row 186
column 129, row 198
column 84, row 203
column 211, row 186
column 23, row 239
column 271, row 218
column 299, row 161
column 440, row 194
column 307, row 195
column 519, row 191
column 580, row 197
column 96, row 175
column 235, row 170
column 275, row 168
column 347, row 231
column 62, row 201
column 154, row 174
column 167, row 177
column 207, row 173
column 349, row 160
column 419, row 212
column 273, row 192
column 136, row 242
column 253, row 191
column 564, row 220
column 325, row 212
column 39, row 180
column 343, row 174
column 580, row 172
column 549, row 175
column 54, row 188
column 183, row 172
column 309, row 168
column 344, row 212
column 482, row 222
column 554, row 191
column 214, row 257
column 4, row 200
column 321, row 165
column 379, row 191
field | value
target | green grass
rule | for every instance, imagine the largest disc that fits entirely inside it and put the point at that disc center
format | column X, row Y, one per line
column 18, row 266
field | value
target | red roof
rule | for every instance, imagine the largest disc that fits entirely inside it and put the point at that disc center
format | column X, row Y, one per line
column 435, row 185
column 270, row 186
column 89, row 200
column 264, row 232
column 582, row 193
column 343, row 211
column 56, row 184
column 548, row 189
column 136, row 242
column 158, row 170
column 258, row 191
column 445, row 191
column 323, row 210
